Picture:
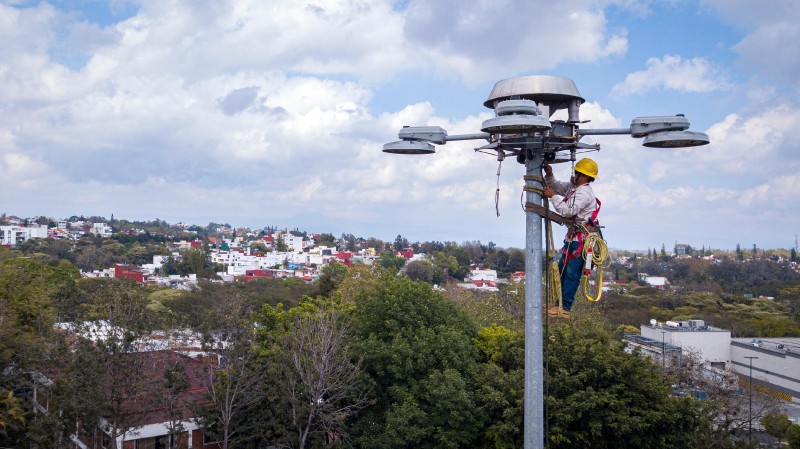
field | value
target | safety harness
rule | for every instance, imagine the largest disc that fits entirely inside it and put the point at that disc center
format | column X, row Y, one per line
column 591, row 246
column 580, row 231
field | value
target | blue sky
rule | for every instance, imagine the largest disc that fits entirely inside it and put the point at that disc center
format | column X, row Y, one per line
column 274, row 113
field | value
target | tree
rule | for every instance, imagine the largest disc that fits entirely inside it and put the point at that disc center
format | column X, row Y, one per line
column 400, row 243
column 444, row 267
column 793, row 436
column 516, row 260
column 326, row 239
column 501, row 379
column 389, row 261
column 777, row 425
column 12, row 415
column 233, row 380
column 420, row 270
column 725, row 406
column 330, row 278
column 108, row 375
column 601, row 397
column 315, row 378
column 280, row 244
column 173, row 398
column 416, row 349
column 33, row 297
column 258, row 248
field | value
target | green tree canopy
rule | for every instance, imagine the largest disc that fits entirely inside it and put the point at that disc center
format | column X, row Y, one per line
column 601, row 397
column 416, row 349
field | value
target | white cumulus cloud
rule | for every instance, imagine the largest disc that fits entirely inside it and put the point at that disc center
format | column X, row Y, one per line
column 673, row 73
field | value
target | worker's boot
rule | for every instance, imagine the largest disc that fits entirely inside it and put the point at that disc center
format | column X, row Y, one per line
column 558, row 312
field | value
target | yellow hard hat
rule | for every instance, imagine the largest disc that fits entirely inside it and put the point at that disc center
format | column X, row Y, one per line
column 587, row 166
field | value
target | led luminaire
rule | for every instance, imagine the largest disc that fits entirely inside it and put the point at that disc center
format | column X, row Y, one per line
column 676, row 139
column 409, row 147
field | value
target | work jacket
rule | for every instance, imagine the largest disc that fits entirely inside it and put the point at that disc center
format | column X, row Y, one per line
column 578, row 203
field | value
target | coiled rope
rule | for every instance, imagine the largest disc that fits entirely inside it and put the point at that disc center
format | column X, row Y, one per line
column 599, row 258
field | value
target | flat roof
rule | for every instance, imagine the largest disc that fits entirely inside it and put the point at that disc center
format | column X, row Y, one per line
column 789, row 344
column 706, row 328
column 649, row 342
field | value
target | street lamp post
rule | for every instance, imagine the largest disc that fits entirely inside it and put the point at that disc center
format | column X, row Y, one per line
column 663, row 352
column 523, row 128
column 750, row 414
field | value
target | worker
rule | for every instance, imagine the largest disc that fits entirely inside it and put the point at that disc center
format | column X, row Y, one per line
column 574, row 200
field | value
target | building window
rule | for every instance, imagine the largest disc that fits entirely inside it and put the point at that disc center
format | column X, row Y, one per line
column 106, row 442
column 160, row 442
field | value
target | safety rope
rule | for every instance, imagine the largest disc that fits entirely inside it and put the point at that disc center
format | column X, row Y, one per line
column 553, row 274
column 497, row 192
column 534, row 189
column 533, row 178
column 596, row 250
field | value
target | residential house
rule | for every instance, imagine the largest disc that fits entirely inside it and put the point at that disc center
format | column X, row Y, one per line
column 14, row 235
column 146, row 417
column 130, row 272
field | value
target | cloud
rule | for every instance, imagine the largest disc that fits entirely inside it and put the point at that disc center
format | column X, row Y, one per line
column 267, row 112
column 765, row 49
column 673, row 73
column 477, row 41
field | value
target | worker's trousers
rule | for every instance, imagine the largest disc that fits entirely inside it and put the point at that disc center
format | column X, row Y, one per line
column 571, row 275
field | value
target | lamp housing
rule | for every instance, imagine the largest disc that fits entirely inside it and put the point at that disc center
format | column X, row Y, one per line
column 642, row 126
column 676, row 139
column 435, row 134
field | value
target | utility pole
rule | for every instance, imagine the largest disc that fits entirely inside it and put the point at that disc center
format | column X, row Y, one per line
column 534, row 329
column 750, row 415
column 663, row 352
column 522, row 129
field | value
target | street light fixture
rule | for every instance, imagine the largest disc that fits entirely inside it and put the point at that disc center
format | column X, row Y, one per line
column 523, row 128
column 409, row 147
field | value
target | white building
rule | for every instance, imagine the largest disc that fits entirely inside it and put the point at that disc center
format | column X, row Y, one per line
column 775, row 361
column 14, row 235
column 710, row 344
column 479, row 274
column 776, row 364
column 102, row 229
column 659, row 282
column 293, row 243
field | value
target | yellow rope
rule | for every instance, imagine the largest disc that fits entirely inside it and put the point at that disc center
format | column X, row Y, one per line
column 599, row 257
column 553, row 275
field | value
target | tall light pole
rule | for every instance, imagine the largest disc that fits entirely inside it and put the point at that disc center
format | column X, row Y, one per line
column 663, row 352
column 523, row 128
column 750, row 386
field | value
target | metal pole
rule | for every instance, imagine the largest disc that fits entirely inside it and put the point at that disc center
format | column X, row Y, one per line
column 604, row 132
column 750, row 415
column 663, row 352
column 534, row 360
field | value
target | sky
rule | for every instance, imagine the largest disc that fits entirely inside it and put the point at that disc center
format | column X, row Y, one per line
column 274, row 113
